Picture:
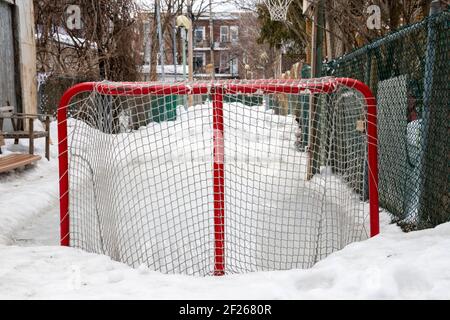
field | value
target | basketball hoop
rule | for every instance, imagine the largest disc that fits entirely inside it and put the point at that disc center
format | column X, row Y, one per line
column 307, row 7
column 278, row 9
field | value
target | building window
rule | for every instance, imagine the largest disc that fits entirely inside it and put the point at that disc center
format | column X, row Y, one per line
column 199, row 35
column 234, row 33
column 224, row 34
column 199, row 61
column 224, row 62
column 234, row 66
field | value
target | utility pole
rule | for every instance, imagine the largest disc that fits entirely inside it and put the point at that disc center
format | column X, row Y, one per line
column 175, row 55
column 211, row 40
column 428, row 100
column 161, row 40
column 183, row 42
column 316, row 69
column 317, row 39
column 191, row 43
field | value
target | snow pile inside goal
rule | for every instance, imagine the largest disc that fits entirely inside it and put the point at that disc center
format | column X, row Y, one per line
column 228, row 187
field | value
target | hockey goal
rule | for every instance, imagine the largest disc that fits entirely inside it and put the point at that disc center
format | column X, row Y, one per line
column 253, row 176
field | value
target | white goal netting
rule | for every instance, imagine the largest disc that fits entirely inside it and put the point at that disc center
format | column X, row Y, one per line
column 252, row 176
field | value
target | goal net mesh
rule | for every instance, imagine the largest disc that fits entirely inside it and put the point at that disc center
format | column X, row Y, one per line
column 186, row 184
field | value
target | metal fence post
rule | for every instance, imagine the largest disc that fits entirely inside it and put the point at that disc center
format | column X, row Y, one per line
column 430, row 58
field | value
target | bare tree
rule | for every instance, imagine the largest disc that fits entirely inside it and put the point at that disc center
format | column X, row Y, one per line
column 258, row 59
column 103, row 48
column 170, row 9
column 345, row 22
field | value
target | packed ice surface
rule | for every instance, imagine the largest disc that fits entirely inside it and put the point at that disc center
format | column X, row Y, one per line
column 147, row 196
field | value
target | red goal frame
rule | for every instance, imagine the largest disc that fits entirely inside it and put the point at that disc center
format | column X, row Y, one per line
column 218, row 91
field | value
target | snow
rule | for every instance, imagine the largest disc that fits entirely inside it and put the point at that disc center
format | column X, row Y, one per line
column 63, row 38
column 394, row 265
column 26, row 194
column 168, row 69
column 147, row 196
column 415, row 146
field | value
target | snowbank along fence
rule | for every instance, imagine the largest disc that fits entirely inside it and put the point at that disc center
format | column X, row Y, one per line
column 408, row 71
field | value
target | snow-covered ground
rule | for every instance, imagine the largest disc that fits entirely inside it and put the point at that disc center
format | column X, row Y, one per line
column 29, row 195
column 393, row 265
column 147, row 196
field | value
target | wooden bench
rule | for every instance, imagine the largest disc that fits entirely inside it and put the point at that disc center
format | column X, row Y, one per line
column 15, row 161
column 18, row 121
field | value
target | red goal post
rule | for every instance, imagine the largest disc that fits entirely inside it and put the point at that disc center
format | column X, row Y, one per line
column 218, row 90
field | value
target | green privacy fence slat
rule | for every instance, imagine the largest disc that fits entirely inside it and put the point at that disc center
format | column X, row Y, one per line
column 249, row 100
column 164, row 108
column 252, row 100
column 409, row 72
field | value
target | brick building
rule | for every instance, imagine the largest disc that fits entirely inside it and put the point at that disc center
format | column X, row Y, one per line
column 227, row 56
column 237, row 55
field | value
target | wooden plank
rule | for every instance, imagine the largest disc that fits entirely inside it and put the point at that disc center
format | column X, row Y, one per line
column 14, row 161
column 24, row 134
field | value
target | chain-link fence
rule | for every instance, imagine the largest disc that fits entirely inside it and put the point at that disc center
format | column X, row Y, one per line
column 51, row 88
column 409, row 71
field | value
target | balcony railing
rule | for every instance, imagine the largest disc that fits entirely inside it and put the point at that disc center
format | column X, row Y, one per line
column 201, row 43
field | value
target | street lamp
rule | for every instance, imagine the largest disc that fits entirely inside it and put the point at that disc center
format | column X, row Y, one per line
column 186, row 23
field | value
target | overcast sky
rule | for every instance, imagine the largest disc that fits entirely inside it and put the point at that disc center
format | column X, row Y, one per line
column 218, row 5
